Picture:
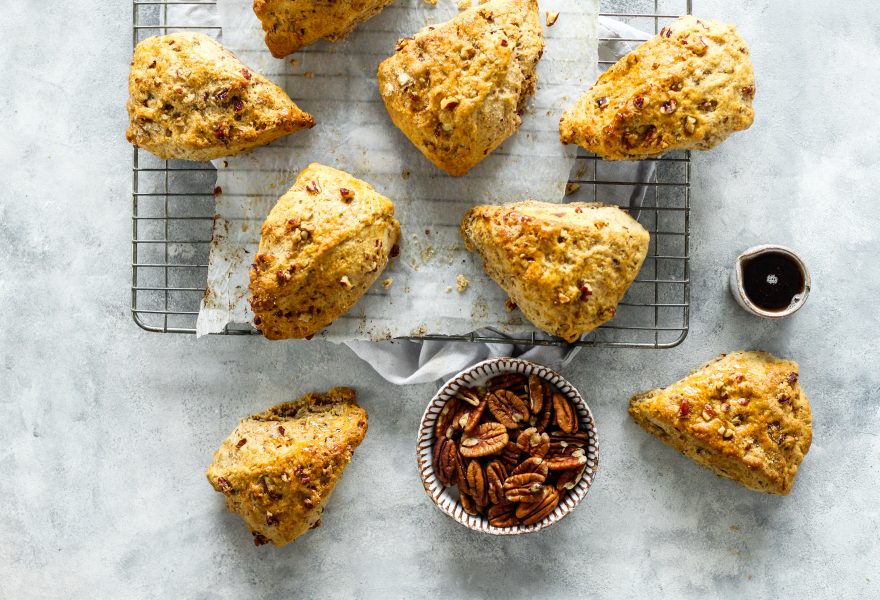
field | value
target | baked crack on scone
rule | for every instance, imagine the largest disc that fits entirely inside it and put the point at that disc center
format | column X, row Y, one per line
column 566, row 266
column 743, row 415
column 278, row 468
column 322, row 246
column 687, row 88
column 293, row 24
column 459, row 89
column 192, row 99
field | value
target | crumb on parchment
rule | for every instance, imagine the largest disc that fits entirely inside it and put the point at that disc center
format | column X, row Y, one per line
column 448, row 288
column 463, row 4
column 461, row 283
column 386, row 283
column 551, row 17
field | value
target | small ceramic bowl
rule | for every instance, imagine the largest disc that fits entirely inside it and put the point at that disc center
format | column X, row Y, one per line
column 737, row 284
column 446, row 499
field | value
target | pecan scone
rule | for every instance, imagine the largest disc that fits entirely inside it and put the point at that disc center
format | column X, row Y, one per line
column 743, row 415
column 322, row 246
column 278, row 468
column 687, row 88
column 192, row 99
column 293, row 24
column 459, row 89
column 566, row 266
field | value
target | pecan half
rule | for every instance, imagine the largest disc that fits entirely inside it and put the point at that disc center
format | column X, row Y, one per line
column 559, row 439
column 565, row 458
column 476, row 482
column 445, row 457
column 508, row 408
column 507, row 381
column 526, row 482
column 460, row 416
column 496, row 473
column 510, row 455
column 543, row 421
column 461, row 473
column 470, row 418
column 469, row 504
column 533, row 464
column 533, row 512
column 566, row 417
column 533, row 442
column 488, row 438
column 468, row 395
column 569, row 479
column 536, row 394
column 503, row 515
column 443, row 424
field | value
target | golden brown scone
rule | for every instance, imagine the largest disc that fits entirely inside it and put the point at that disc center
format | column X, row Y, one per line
column 743, row 415
column 566, row 266
column 192, row 99
column 687, row 88
column 292, row 24
column 278, row 468
column 322, row 246
column 459, row 89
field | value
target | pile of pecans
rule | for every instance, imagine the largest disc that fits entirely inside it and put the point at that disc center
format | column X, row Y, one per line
column 513, row 448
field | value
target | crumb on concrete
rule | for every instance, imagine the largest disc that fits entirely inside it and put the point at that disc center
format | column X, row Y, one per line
column 431, row 2
column 308, row 75
column 461, row 283
column 294, row 62
column 420, row 330
column 405, row 174
column 448, row 288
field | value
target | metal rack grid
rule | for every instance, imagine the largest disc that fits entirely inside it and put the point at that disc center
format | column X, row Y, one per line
column 173, row 208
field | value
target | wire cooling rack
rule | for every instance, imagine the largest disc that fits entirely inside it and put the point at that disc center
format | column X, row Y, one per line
column 173, row 209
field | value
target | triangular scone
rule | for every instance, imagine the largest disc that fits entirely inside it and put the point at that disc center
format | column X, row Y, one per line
column 459, row 89
column 687, row 88
column 278, row 468
column 566, row 266
column 322, row 246
column 192, row 99
column 293, row 24
column 743, row 415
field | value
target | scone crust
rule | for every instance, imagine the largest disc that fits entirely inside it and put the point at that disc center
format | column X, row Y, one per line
column 192, row 99
column 280, row 478
column 459, row 89
column 566, row 266
column 687, row 88
column 293, row 24
column 323, row 245
column 755, row 396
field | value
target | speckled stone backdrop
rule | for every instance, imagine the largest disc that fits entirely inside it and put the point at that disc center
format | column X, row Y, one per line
column 105, row 431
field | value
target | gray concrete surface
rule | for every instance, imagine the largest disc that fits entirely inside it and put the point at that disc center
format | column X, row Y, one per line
column 105, row 430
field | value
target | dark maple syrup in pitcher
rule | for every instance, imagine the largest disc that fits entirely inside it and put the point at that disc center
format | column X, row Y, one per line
column 771, row 280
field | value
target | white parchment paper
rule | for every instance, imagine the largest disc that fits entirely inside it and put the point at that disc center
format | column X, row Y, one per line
column 337, row 84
